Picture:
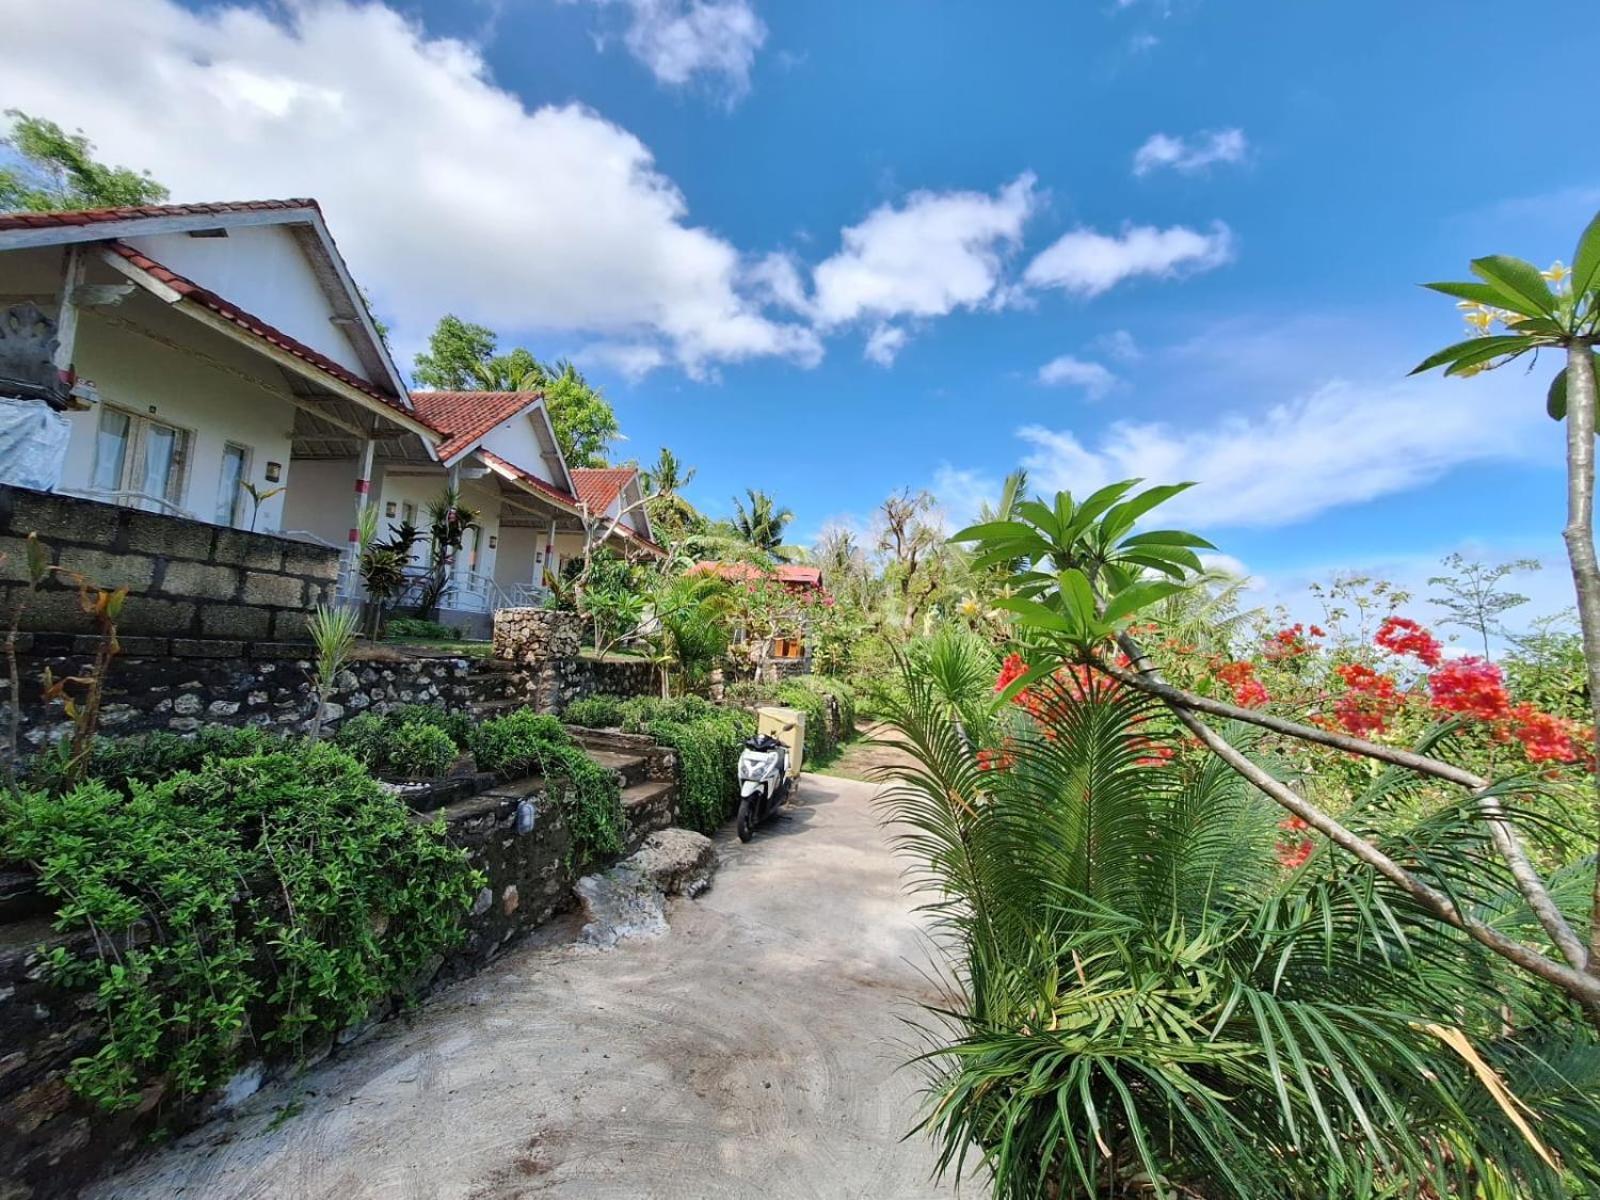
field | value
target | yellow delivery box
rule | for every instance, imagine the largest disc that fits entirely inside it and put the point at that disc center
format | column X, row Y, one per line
column 788, row 725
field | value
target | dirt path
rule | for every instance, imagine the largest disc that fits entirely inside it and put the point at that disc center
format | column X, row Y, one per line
column 752, row 1052
column 862, row 758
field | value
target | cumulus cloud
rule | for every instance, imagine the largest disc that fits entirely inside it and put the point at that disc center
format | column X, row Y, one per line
column 1189, row 155
column 884, row 343
column 1067, row 371
column 1088, row 263
column 682, row 39
column 446, row 191
column 1341, row 443
column 924, row 257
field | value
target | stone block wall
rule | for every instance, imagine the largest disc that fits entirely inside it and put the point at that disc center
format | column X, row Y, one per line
column 179, row 685
column 186, row 580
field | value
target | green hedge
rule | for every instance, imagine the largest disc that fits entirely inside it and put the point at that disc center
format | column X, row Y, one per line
column 289, row 895
column 414, row 742
column 151, row 757
column 707, row 739
column 590, row 797
column 595, row 712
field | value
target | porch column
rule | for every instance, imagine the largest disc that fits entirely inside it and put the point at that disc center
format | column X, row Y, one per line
column 363, row 490
column 551, row 567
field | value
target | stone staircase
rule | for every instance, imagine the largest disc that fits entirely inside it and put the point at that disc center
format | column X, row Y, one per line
column 649, row 792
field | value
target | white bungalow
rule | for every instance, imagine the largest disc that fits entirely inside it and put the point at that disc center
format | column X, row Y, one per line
column 221, row 353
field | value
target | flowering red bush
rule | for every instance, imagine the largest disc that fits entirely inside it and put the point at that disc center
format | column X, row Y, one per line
column 1293, row 852
column 1240, row 679
column 1370, row 701
column 1544, row 737
column 1401, row 635
column 1471, row 687
column 1291, row 643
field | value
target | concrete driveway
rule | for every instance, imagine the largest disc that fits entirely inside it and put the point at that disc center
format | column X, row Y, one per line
column 754, row 1051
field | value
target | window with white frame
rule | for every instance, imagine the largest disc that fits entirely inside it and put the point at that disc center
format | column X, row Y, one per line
column 231, row 506
column 139, row 461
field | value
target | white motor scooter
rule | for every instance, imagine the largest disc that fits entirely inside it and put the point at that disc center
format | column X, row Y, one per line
column 769, row 766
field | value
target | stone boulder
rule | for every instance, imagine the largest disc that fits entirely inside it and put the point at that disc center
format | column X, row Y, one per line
column 629, row 900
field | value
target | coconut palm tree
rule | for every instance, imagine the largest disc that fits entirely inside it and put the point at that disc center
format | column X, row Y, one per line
column 762, row 524
column 1154, row 989
column 664, row 483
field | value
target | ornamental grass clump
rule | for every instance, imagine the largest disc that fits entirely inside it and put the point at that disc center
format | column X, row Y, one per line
column 1152, row 991
column 248, row 909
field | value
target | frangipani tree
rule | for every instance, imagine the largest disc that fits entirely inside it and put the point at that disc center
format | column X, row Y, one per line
column 1082, row 580
column 1556, row 310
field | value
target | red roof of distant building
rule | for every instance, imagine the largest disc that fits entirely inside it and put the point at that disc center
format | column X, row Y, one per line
column 254, row 325
column 797, row 577
column 100, row 216
column 599, row 486
column 467, row 416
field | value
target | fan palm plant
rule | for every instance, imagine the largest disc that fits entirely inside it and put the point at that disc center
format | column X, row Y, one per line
column 1144, row 1000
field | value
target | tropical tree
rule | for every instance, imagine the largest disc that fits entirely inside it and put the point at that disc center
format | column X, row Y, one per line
column 56, row 170
column 1090, row 577
column 664, row 481
column 463, row 356
column 690, row 630
column 1147, row 997
column 1556, row 310
column 762, row 524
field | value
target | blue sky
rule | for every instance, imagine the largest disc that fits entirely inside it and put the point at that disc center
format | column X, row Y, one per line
column 829, row 249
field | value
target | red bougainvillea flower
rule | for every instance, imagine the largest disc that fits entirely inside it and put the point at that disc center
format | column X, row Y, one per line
column 1318, row 631
column 1370, row 700
column 1401, row 635
column 1002, row 759
column 1240, row 679
column 1289, row 643
column 1292, row 855
column 1471, row 687
column 1013, row 669
column 1544, row 737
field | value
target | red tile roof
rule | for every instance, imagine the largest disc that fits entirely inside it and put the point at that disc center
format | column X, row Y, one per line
column 96, row 216
column 255, row 326
column 467, row 416
column 798, row 578
column 599, row 486
column 562, row 497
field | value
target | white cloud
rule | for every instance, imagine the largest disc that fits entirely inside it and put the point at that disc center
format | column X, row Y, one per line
column 1088, row 263
column 1341, row 443
column 680, row 39
column 931, row 254
column 633, row 359
column 1118, row 344
column 1065, row 370
column 1189, row 155
column 447, row 193
column 884, row 343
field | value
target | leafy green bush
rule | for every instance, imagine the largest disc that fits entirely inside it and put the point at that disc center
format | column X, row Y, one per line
column 418, row 627
column 590, row 797
column 707, row 740
column 288, row 897
column 151, row 757
column 417, row 741
column 595, row 712
column 811, row 694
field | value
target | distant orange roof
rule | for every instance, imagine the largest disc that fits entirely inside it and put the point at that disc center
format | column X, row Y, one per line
column 790, row 575
column 467, row 416
column 101, row 216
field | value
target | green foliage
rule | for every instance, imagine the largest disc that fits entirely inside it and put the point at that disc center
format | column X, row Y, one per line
column 595, row 712
column 761, row 525
column 405, row 628
column 58, row 171
column 415, row 742
column 1145, row 1002
column 1548, row 670
column 148, row 758
column 590, row 797
column 811, row 694
column 252, row 907
column 692, row 634
column 1086, row 569
column 708, row 740
column 1473, row 596
column 462, row 356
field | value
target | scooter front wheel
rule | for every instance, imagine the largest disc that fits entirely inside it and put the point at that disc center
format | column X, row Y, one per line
column 746, row 822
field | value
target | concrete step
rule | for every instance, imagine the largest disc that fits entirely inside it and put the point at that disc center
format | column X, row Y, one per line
column 630, row 768
column 482, row 710
column 647, row 807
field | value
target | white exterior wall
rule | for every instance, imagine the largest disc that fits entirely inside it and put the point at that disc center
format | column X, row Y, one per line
column 322, row 501
column 214, row 406
column 520, row 441
column 422, row 488
column 263, row 270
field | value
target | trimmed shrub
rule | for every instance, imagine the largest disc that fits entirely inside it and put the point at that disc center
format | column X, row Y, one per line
column 707, row 740
column 417, row 741
column 590, row 797
column 398, row 628
column 151, row 757
column 595, row 712
column 289, row 897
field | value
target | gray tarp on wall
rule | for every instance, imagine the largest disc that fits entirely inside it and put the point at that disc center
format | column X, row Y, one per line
column 33, row 444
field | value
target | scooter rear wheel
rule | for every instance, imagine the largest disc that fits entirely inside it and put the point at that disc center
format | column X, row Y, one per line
column 746, row 820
